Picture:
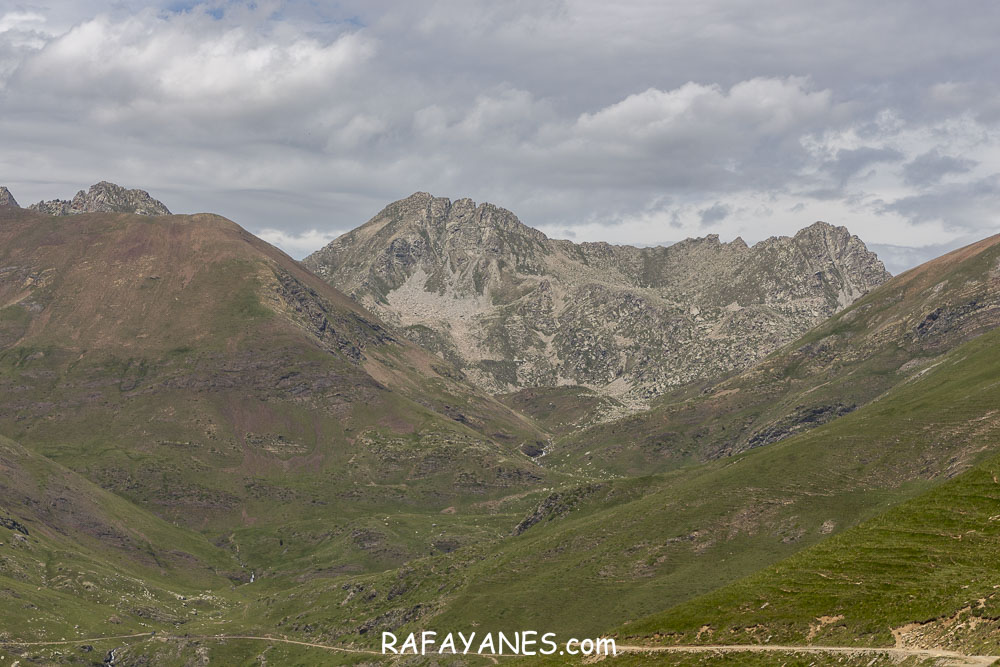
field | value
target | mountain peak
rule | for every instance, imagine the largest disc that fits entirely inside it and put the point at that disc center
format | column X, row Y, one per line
column 514, row 309
column 7, row 199
column 423, row 221
column 821, row 227
column 104, row 197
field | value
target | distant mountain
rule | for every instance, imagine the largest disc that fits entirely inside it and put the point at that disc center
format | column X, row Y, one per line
column 514, row 309
column 891, row 336
column 7, row 199
column 104, row 197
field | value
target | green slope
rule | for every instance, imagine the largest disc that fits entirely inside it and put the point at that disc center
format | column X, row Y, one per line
column 921, row 574
column 199, row 372
column 78, row 561
column 195, row 377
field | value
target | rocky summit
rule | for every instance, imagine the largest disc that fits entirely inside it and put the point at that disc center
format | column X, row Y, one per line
column 7, row 199
column 104, row 197
column 514, row 309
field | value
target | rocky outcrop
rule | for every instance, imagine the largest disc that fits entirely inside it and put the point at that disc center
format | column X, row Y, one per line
column 104, row 197
column 802, row 419
column 7, row 199
column 513, row 308
column 557, row 504
column 337, row 332
column 12, row 524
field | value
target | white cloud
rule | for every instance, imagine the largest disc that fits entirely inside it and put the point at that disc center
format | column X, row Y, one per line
column 186, row 70
column 298, row 245
column 23, row 20
column 764, row 106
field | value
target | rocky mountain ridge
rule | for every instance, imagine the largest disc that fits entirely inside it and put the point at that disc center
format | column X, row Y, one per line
column 515, row 309
column 104, row 197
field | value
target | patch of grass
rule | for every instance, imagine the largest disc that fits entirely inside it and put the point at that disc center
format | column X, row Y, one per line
column 931, row 562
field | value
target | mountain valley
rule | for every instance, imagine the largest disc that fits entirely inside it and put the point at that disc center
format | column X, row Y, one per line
column 445, row 420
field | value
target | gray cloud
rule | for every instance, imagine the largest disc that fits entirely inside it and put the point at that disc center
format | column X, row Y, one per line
column 931, row 166
column 714, row 213
column 630, row 122
column 959, row 206
column 848, row 162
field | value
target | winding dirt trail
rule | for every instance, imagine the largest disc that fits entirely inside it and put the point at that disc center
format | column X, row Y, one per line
column 950, row 658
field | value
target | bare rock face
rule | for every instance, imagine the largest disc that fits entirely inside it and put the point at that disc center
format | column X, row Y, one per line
column 7, row 199
column 516, row 309
column 104, row 197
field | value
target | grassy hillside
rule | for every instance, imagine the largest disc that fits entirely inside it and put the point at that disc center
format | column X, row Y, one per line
column 562, row 410
column 921, row 574
column 191, row 367
column 914, row 470
column 78, row 561
column 197, row 376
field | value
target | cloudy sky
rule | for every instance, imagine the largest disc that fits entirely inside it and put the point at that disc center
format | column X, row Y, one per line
column 632, row 122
